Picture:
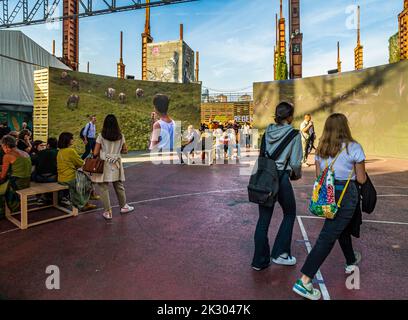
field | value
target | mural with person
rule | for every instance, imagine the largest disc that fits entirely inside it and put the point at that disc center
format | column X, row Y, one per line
column 131, row 101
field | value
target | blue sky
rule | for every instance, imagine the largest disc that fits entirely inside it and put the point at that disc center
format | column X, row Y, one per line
column 235, row 37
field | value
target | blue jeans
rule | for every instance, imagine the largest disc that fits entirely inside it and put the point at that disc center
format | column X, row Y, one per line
column 231, row 149
column 89, row 147
column 334, row 229
column 286, row 199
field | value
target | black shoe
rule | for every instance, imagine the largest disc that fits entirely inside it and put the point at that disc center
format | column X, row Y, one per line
column 260, row 268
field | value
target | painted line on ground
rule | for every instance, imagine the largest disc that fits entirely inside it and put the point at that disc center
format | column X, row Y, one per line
column 319, row 276
column 372, row 221
column 215, row 192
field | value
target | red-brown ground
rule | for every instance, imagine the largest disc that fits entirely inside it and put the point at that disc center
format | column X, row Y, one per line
column 191, row 237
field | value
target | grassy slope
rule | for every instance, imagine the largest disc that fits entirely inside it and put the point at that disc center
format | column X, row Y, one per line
column 134, row 115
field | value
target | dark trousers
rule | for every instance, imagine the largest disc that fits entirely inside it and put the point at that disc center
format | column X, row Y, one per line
column 333, row 230
column 286, row 199
column 43, row 178
column 89, row 147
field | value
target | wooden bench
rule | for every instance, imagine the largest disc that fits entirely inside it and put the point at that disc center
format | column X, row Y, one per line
column 35, row 189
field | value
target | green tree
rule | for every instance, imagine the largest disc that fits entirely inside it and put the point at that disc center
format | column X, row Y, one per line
column 394, row 50
column 282, row 68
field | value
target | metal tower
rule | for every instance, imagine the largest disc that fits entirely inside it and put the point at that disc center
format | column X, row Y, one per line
column 146, row 39
column 403, row 31
column 296, row 40
column 121, row 66
column 70, row 34
column 358, row 51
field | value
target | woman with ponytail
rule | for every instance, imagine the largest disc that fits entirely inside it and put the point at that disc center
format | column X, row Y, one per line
column 289, row 164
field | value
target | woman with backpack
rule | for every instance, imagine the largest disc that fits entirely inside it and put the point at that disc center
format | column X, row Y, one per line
column 288, row 164
column 339, row 152
column 110, row 144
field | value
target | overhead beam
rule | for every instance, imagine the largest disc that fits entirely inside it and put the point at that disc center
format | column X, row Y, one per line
column 111, row 8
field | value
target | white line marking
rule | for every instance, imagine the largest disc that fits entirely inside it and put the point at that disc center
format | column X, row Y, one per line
column 391, row 195
column 319, row 276
column 373, row 221
column 222, row 191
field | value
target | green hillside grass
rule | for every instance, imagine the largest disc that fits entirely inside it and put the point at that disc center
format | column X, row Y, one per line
column 133, row 116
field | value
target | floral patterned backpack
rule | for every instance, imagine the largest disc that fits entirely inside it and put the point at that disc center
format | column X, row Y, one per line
column 323, row 202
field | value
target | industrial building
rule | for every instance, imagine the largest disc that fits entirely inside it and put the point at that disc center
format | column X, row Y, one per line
column 19, row 58
column 171, row 61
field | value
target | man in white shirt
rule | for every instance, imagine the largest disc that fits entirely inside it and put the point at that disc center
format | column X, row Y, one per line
column 89, row 136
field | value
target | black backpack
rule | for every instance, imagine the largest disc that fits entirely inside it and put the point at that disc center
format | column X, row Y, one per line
column 263, row 185
column 82, row 132
column 368, row 196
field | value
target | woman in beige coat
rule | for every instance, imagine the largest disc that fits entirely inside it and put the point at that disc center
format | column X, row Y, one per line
column 110, row 144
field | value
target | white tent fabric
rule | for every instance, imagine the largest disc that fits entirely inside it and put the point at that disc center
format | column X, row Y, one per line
column 19, row 57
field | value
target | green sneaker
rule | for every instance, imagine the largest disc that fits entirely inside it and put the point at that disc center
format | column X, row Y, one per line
column 306, row 290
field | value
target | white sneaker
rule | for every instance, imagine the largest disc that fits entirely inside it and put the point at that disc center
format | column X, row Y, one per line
column 285, row 260
column 350, row 268
column 127, row 209
column 306, row 290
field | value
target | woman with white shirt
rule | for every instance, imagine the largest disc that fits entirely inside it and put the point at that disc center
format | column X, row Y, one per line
column 336, row 140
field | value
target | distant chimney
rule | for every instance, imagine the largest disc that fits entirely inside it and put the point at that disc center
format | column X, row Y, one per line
column 181, row 32
column 87, row 67
column 53, row 47
column 197, row 66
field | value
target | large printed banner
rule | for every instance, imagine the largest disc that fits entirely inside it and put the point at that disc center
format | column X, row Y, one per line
column 375, row 101
column 73, row 96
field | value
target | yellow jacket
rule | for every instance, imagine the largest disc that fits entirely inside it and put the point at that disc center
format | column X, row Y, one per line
column 68, row 161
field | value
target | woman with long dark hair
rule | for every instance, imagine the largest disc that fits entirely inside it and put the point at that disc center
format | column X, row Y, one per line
column 338, row 149
column 110, row 144
column 289, row 168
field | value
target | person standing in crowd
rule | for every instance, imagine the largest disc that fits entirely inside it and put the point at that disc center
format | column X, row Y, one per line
column 110, row 144
column 338, row 149
column 246, row 134
column 307, row 132
column 289, row 165
column 15, row 174
column 4, row 129
column 89, row 136
column 219, row 145
column 162, row 138
column 45, row 163
column 234, row 143
column 68, row 162
column 188, row 148
column 24, row 126
column 24, row 141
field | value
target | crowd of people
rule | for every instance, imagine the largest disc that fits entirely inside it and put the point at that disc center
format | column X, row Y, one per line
column 23, row 160
column 225, row 138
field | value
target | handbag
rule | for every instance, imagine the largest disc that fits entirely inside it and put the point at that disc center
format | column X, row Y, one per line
column 368, row 196
column 323, row 203
column 94, row 165
column 264, row 182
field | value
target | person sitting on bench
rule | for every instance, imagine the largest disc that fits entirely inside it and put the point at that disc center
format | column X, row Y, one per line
column 45, row 163
column 15, row 174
